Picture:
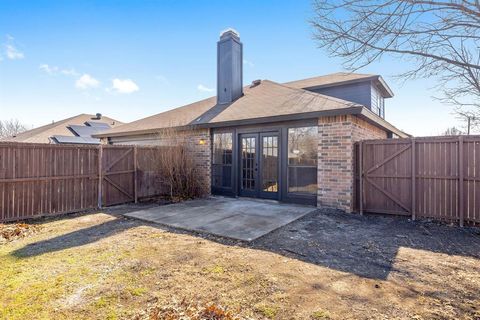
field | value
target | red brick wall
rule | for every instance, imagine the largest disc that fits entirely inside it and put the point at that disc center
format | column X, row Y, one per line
column 337, row 134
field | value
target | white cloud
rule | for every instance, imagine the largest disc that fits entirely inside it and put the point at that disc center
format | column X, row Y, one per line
column 203, row 88
column 48, row 69
column 53, row 70
column 248, row 63
column 13, row 53
column 124, row 86
column 69, row 72
column 86, row 82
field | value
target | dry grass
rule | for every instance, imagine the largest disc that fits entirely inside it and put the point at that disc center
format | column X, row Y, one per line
column 99, row 266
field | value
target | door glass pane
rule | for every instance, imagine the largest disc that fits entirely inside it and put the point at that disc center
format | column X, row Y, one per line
column 248, row 163
column 270, row 164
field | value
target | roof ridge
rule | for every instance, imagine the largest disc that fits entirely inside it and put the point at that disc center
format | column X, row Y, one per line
column 46, row 127
column 336, row 73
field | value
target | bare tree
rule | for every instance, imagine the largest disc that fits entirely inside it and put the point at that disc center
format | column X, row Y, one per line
column 10, row 128
column 453, row 131
column 440, row 38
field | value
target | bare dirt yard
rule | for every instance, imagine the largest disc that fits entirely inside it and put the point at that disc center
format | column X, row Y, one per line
column 327, row 265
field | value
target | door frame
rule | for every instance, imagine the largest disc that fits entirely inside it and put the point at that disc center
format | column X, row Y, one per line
column 248, row 193
column 266, row 194
column 258, row 192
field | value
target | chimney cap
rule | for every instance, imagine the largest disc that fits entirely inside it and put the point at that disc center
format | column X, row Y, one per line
column 99, row 116
column 229, row 32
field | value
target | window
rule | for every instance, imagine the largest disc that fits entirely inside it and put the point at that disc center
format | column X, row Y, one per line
column 222, row 160
column 302, row 160
column 378, row 103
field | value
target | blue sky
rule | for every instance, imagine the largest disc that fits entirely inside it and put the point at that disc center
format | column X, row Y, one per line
column 131, row 59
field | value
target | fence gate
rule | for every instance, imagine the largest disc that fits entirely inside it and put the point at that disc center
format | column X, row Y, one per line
column 118, row 175
column 385, row 177
column 434, row 177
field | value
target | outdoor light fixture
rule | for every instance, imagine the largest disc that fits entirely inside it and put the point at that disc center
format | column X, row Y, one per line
column 202, row 141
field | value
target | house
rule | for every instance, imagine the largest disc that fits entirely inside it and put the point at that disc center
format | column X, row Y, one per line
column 291, row 142
column 78, row 129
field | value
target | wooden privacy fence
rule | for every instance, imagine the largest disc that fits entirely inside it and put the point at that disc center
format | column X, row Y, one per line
column 433, row 177
column 43, row 179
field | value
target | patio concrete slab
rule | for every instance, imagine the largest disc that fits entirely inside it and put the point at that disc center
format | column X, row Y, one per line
column 238, row 218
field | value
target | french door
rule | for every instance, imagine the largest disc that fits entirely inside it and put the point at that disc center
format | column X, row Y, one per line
column 259, row 165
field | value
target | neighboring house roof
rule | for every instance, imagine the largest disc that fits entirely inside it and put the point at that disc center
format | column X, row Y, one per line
column 44, row 134
column 341, row 78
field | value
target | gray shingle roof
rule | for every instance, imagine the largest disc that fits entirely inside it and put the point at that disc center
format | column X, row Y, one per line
column 269, row 101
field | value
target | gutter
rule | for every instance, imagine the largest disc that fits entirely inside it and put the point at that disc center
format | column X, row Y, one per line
column 362, row 112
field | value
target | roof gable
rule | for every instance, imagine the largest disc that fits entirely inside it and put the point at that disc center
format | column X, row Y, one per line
column 341, row 78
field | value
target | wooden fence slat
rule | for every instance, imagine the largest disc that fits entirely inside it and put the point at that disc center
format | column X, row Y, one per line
column 135, row 175
column 414, row 179
column 360, row 154
column 100, row 175
column 460, row 179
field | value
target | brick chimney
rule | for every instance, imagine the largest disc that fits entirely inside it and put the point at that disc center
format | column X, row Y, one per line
column 229, row 67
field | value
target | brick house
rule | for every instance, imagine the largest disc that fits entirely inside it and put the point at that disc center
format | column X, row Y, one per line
column 292, row 142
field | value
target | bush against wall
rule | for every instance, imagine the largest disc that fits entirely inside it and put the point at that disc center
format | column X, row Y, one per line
column 176, row 168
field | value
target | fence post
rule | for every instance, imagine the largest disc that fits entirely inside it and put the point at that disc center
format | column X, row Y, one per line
column 135, row 175
column 460, row 179
column 414, row 180
column 360, row 165
column 100, row 175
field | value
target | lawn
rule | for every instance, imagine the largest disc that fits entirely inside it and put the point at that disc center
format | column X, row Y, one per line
column 325, row 266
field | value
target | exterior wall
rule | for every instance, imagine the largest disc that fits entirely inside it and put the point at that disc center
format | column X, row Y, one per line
column 198, row 142
column 359, row 92
column 337, row 134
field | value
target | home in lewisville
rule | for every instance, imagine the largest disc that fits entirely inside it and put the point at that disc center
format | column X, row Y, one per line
column 292, row 142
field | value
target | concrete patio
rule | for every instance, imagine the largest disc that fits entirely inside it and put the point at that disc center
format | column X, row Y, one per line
column 238, row 218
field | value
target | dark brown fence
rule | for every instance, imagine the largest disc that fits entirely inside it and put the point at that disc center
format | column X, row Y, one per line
column 43, row 179
column 433, row 177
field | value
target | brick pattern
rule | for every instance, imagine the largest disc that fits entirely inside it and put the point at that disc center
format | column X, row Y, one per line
column 337, row 134
column 200, row 148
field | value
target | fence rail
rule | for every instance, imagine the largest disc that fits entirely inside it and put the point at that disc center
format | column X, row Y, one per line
column 435, row 177
column 44, row 179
